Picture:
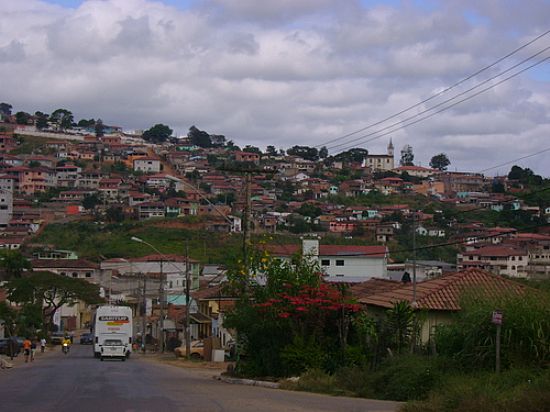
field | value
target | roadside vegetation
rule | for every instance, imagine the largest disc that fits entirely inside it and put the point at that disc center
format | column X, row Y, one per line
column 298, row 327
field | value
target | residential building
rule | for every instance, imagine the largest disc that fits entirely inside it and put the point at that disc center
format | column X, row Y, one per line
column 6, row 200
column 500, row 260
column 339, row 263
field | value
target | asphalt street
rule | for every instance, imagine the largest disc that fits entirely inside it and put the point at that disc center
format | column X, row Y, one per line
column 79, row 383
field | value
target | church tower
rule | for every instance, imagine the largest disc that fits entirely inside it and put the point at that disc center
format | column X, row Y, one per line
column 390, row 148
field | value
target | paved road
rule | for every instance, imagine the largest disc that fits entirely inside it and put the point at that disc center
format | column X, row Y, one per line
column 79, row 383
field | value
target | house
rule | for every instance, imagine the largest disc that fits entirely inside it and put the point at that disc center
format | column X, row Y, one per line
column 73, row 268
column 437, row 298
column 6, row 199
column 339, row 263
column 148, row 210
column 500, row 260
column 416, row 171
column 247, row 157
column 147, row 164
column 67, row 175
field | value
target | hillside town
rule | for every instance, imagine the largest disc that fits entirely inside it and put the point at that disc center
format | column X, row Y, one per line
column 53, row 174
column 385, row 229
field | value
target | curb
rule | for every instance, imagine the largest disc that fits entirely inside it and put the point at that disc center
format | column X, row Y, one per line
column 248, row 382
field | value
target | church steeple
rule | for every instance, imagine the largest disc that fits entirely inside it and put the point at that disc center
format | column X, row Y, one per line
column 390, row 148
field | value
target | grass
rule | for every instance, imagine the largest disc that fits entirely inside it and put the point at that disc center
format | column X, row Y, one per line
column 91, row 241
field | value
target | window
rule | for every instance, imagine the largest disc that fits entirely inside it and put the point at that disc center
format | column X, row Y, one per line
column 88, row 274
column 75, row 275
column 325, row 262
column 339, row 262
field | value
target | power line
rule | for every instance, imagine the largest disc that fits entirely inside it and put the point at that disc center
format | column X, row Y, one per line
column 436, row 94
column 401, row 124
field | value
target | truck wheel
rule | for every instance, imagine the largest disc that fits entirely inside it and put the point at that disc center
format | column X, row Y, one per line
column 124, row 359
column 101, row 358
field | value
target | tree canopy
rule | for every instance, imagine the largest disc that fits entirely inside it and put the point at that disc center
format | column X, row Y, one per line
column 22, row 118
column 41, row 120
column 305, row 152
column 159, row 133
column 199, row 137
column 50, row 291
column 63, row 118
column 440, row 161
column 13, row 264
column 355, row 155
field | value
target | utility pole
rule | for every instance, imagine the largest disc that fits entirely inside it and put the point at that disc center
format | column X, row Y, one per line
column 187, row 303
column 161, row 303
column 413, row 304
column 144, row 313
column 247, row 218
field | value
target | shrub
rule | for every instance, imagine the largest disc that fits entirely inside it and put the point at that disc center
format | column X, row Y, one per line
column 314, row 380
column 406, row 377
column 516, row 390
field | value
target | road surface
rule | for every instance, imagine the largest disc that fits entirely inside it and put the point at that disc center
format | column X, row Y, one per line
column 79, row 383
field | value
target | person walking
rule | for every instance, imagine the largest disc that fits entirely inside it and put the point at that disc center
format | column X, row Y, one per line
column 33, row 349
column 13, row 347
column 42, row 345
column 27, row 348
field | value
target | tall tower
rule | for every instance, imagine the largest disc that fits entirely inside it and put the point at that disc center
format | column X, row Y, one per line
column 390, row 148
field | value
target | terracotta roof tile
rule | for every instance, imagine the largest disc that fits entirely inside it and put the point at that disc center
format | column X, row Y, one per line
column 444, row 293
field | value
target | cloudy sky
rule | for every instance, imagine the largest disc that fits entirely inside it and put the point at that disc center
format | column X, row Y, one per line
column 290, row 72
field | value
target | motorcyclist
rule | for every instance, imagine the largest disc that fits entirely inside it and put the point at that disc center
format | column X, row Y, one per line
column 66, row 343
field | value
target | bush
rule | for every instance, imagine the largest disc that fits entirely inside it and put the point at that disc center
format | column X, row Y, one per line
column 314, row 380
column 516, row 390
column 302, row 355
column 406, row 377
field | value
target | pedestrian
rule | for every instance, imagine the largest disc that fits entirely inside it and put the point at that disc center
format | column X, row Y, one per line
column 33, row 348
column 27, row 348
column 42, row 345
column 13, row 347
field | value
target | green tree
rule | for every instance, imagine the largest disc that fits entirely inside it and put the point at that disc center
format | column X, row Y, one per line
column 252, row 149
column 323, row 152
column 440, row 161
column 50, row 291
column 114, row 214
column 91, row 201
column 22, row 118
column 159, row 133
column 13, row 264
column 5, row 109
column 305, row 152
column 86, row 123
column 200, row 138
column 99, row 128
column 271, row 151
column 355, row 155
column 63, row 118
column 41, row 120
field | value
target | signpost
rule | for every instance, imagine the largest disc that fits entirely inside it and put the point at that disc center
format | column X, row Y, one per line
column 497, row 320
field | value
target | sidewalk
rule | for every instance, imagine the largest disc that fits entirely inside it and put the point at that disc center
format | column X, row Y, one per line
column 19, row 360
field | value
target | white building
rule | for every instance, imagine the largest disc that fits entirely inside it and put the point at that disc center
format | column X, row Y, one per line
column 382, row 162
column 340, row 263
column 147, row 165
column 6, row 200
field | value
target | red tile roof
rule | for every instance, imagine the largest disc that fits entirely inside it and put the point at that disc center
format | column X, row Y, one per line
column 443, row 293
column 331, row 250
column 501, row 251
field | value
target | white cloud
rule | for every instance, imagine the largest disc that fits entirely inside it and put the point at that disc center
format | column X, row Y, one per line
column 283, row 73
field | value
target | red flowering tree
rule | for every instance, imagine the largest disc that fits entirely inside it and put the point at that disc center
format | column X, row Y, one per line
column 288, row 319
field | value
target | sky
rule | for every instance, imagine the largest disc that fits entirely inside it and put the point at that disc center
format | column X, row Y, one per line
column 294, row 72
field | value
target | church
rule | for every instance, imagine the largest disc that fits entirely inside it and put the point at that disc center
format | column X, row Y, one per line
column 382, row 162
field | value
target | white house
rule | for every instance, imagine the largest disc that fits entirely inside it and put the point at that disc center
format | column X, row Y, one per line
column 6, row 200
column 340, row 263
column 147, row 165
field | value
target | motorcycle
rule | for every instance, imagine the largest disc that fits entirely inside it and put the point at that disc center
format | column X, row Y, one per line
column 65, row 348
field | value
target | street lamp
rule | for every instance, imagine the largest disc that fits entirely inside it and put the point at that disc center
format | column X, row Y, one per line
column 161, row 290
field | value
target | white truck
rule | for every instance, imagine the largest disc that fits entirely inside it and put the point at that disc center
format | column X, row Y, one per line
column 112, row 323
